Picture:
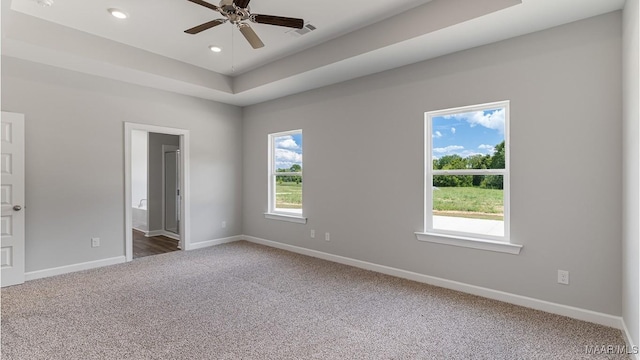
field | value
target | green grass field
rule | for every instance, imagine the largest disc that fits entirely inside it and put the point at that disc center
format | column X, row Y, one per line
column 469, row 202
column 289, row 195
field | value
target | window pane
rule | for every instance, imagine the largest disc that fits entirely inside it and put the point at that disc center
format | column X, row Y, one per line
column 288, row 193
column 469, row 203
column 288, row 153
column 469, row 140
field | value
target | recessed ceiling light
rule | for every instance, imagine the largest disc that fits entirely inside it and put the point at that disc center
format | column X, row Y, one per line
column 215, row 49
column 118, row 13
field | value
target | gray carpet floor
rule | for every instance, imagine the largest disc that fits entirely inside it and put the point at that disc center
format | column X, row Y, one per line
column 246, row 301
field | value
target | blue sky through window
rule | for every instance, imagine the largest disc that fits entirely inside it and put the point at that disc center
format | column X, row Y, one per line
column 288, row 150
column 467, row 134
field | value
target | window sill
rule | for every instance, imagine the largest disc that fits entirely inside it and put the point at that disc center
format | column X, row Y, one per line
column 468, row 242
column 289, row 218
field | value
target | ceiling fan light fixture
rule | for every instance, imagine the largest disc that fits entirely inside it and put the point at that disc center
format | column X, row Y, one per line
column 118, row 14
column 215, row 49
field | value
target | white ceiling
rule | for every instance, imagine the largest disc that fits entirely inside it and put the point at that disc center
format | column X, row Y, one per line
column 158, row 26
column 354, row 38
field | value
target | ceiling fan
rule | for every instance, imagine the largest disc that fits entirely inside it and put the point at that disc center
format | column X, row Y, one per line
column 237, row 12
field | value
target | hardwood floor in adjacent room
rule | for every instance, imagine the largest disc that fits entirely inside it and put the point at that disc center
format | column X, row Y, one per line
column 146, row 246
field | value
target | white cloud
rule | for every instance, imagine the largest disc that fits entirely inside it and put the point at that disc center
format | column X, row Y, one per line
column 285, row 158
column 467, row 153
column 453, row 130
column 437, row 135
column 287, row 152
column 286, row 142
column 455, row 150
column 288, row 155
column 451, row 149
column 487, row 148
column 494, row 121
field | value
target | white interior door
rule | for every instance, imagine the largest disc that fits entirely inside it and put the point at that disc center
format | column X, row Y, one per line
column 12, row 170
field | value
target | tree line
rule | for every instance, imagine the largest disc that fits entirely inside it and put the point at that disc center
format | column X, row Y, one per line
column 289, row 178
column 478, row 161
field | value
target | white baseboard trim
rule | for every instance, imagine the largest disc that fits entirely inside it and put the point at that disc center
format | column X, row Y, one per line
column 162, row 233
column 141, row 230
column 630, row 343
column 39, row 274
column 208, row 243
column 537, row 304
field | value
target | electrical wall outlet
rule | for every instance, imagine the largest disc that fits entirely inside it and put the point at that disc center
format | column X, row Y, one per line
column 224, row 224
column 327, row 237
column 563, row 277
column 313, row 234
column 95, row 242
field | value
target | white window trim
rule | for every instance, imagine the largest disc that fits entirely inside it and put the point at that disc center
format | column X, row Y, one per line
column 459, row 238
column 282, row 217
column 272, row 213
column 469, row 242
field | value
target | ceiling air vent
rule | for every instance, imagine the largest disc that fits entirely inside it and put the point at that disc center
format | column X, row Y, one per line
column 305, row 30
column 44, row 3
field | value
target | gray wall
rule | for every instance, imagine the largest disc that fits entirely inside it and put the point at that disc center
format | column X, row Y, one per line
column 631, row 170
column 363, row 160
column 155, row 176
column 139, row 168
column 75, row 159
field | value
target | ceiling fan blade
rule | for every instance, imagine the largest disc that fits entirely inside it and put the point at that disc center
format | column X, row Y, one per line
column 205, row 26
column 241, row 3
column 205, row 4
column 278, row 20
column 250, row 35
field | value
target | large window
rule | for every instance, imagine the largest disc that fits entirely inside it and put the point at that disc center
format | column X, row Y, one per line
column 285, row 176
column 467, row 174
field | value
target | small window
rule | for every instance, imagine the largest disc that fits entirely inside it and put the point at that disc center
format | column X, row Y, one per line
column 285, row 175
column 467, row 172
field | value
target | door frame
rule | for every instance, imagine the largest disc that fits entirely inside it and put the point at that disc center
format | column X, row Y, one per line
column 165, row 149
column 185, row 224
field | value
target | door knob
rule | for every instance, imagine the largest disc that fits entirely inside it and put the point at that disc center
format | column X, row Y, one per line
column 17, row 208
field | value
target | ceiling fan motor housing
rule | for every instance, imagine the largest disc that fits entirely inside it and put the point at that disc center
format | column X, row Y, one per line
column 234, row 13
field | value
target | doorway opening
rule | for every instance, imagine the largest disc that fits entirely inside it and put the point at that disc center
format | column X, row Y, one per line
column 156, row 190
